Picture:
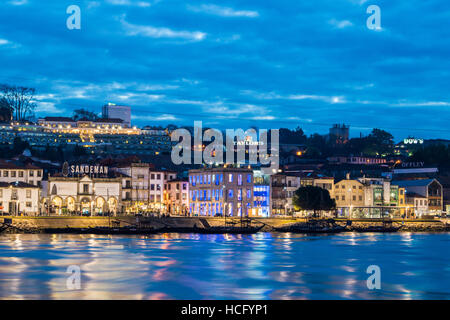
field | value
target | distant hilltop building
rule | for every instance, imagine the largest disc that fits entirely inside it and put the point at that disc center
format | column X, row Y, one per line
column 113, row 111
column 339, row 134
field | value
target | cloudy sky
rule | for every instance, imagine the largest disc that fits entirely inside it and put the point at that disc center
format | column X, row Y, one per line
column 236, row 64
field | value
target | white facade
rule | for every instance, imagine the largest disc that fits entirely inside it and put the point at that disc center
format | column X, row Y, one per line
column 95, row 196
column 10, row 172
column 19, row 198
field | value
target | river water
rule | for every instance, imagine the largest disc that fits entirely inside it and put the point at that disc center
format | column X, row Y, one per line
column 193, row 266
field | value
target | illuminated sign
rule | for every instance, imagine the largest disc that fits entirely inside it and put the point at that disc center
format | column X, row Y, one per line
column 413, row 141
column 412, row 164
column 83, row 169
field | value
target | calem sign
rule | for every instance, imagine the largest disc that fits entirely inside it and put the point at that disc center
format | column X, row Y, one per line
column 83, row 169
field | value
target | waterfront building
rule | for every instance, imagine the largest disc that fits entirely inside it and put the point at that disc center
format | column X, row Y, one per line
column 19, row 198
column 136, row 186
column 145, row 188
column 279, row 194
column 14, row 171
column 221, row 191
column 177, row 197
column 113, row 111
column 431, row 191
column 348, row 193
column 83, row 194
column 262, row 204
column 283, row 187
column 379, row 192
column 416, row 205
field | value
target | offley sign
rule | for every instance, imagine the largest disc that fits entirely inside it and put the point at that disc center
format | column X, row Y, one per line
column 77, row 169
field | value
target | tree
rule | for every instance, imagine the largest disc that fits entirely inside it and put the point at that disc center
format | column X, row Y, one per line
column 84, row 114
column 379, row 142
column 313, row 198
column 20, row 100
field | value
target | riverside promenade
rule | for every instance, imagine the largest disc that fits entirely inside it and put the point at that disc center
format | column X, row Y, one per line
column 39, row 224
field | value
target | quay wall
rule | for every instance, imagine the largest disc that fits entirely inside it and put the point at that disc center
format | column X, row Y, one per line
column 40, row 223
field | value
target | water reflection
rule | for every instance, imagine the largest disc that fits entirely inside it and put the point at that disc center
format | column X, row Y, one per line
column 194, row 266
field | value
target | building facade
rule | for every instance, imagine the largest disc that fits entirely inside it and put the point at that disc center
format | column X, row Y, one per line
column 177, row 197
column 112, row 111
column 19, row 198
column 11, row 171
column 83, row 195
column 221, row 191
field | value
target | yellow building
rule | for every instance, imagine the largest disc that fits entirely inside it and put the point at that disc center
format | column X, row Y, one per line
column 348, row 194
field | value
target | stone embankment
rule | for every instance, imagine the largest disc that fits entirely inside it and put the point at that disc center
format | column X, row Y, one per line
column 185, row 224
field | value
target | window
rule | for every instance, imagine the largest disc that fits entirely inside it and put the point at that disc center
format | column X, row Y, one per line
column 354, row 198
column 249, row 178
column 184, row 186
column 337, row 197
column 31, row 173
column 230, row 178
column 1, row 193
column 28, row 193
column 39, row 173
column 152, row 176
column 360, row 198
column 343, row 198
column 20, row 174
column 85, row 188
column 158, row 176
column 5, row 173
column 28, row 204
column 239, row 179
column 152, row 187
column 230, row 193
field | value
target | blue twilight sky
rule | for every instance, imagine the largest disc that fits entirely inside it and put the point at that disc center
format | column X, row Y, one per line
column 236, row 64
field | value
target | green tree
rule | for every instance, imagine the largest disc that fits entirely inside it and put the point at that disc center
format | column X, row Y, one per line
column 313, row 198
column 379, row 142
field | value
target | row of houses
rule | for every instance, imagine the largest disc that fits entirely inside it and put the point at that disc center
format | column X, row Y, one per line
column 139, row 187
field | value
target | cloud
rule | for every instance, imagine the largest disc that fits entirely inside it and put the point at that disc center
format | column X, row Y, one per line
column 143, row 4
column 161, row 32
column 18, row 2
column 340, row 24
column 223, row 11
column 251, row 63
